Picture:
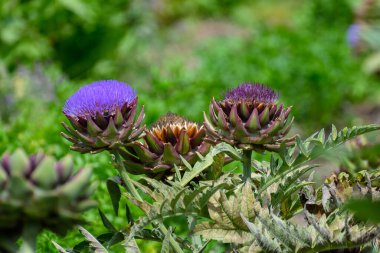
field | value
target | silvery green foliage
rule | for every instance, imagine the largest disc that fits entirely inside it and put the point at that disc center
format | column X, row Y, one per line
column 95, row 245
column 273, row 234
column 327, row 226
column 273, row 201
column 229, row 226
column 257, row 228
column 256, row 215
column 175, row 200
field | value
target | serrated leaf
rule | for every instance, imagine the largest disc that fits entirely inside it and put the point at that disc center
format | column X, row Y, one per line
column 208, row 160
column 168, row 204
column 302, row 147
column 106, row 222
column 94, row 243
column 219, row 233
column 59, row 247
column 263, row 239
column 176, row 199
column 177, row 173
column 114, row 192
column 116, row 238
column 144, row 206
column 131, row 246
column 228, row 225
column 128, row 214
column 334, row 133
column 321, row 136
column 166, row 243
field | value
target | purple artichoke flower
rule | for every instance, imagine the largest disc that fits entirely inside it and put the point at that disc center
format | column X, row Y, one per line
column 102, row 116
column 249, row 117
column 169, row 138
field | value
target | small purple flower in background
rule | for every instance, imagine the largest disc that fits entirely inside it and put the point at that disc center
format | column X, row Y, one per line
column 250, row 118
column 102, row 116
column 353, row 35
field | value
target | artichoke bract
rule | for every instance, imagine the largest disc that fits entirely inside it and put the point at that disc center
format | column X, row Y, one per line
column 164, row 143
column 102, row 117
column 249, row 117
column 41, row 191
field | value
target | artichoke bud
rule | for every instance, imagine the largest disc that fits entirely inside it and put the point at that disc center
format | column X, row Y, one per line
column 169, row 139
column 40, row 188
column 249, row 117
column 19, row 161
column 76, row 185
column 44, row 175
column 102, row 116
column 64, row 168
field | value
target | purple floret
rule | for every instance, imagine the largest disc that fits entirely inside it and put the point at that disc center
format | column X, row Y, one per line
column 99, row 97
column 252, row 92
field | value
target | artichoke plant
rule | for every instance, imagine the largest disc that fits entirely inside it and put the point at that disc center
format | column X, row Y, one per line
column 102, row 117
column 249, row 117
column 38, row 192
column 164, row 143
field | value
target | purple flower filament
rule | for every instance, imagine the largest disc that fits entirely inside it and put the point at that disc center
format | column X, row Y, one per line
column 99, row 97
column 252, row 92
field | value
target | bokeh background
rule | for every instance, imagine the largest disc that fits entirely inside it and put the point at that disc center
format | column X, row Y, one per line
column 322, row 57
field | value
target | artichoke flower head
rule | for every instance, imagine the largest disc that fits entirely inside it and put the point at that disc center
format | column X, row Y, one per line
column 102, row 116
column 164, row 143
column 249, row 117
column 41, row 190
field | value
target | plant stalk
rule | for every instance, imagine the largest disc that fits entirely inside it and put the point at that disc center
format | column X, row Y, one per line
column 125, row 177
column 247, row 164
column 29, row 237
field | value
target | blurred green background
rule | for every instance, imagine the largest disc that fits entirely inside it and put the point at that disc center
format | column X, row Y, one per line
column 177, row 55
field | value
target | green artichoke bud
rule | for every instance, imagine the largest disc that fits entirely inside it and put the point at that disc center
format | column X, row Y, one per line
column 40, row 190
column 102, row 117
column 250, row 118
column 163, row 145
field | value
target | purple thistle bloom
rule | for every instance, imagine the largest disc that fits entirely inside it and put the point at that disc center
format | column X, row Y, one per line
column 252, row 92
column 249, row 117
column 102, row 117
column 353, row 35
column 99, row 97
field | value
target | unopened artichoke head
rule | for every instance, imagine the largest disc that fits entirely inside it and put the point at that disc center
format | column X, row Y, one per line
column 39, row 190
column 249, row 117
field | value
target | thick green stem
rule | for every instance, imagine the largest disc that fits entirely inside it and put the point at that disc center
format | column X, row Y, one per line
column 29, row 237
column 172, row 241
column 247, row 164
column 125, row 177
column 132, row 189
